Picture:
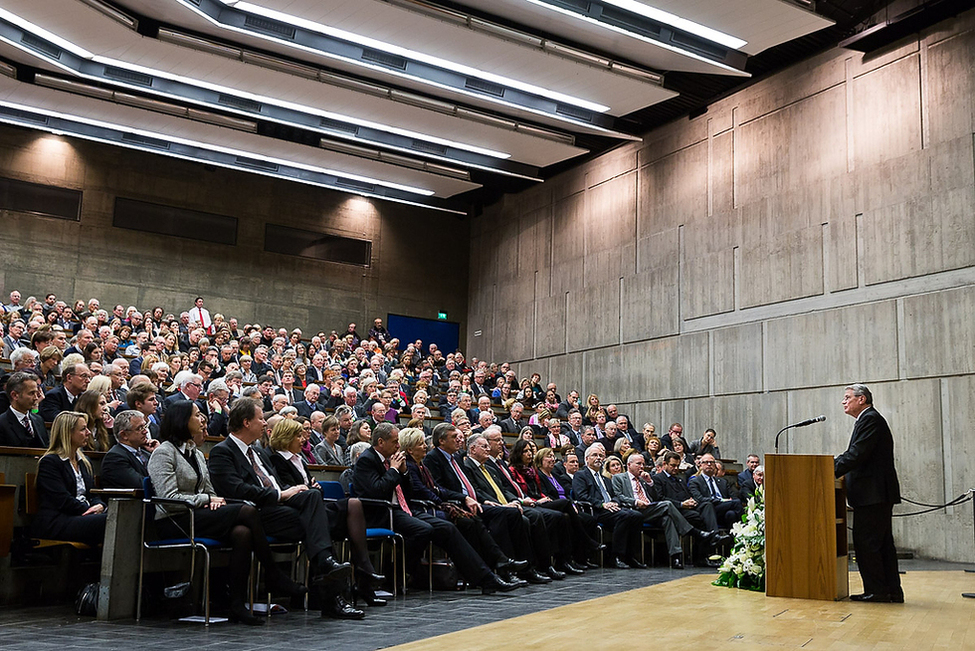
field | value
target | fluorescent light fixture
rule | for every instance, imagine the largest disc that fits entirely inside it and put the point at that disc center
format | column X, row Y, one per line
column 412, row 54
column 216, row 148
column 680, row 23
column 640, row 37
column 294, row 107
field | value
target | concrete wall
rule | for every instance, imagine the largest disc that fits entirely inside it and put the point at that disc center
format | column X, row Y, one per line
column 93, row 258
column 738, row 269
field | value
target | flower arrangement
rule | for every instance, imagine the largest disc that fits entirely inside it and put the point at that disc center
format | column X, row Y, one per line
column 745, row 567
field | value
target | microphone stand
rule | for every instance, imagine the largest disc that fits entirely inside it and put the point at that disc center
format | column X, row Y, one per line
column 779, row 434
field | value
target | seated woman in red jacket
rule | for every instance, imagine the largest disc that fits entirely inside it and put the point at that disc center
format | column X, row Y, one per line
column 66, row 508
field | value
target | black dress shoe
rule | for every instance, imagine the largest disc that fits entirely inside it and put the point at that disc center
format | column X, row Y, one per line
column 330, row 572
column 619, row 564
column 872, row 598
column 676, row 563
column 635, row 564
column 367, row 594
column 577, row 566
column 511, row 565
column 554, row 574
column 282, row 585
column 592, row 566
column 709, row 563
column 510, row 578
column 534, row 577
column 374, row 580
column 338, row 608
column 242, row 614
column 495, row 583
column 566, row 567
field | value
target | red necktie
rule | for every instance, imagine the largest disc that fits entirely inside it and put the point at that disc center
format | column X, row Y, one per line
column 261, row 475
column 400, row 497
column 514, row 484
column 640, row 493
column 463, row 478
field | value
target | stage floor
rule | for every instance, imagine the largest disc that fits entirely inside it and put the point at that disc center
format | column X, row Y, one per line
column 601, row 610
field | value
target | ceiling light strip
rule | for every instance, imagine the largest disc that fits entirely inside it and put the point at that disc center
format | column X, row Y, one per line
column 387, row 59
column 158, row 143
column 159, row 83
column 612, row 15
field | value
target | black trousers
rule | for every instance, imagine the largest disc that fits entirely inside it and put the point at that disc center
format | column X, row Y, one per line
column 626, row 525
column 873, row 539
column 421, row 528
column 304, row 516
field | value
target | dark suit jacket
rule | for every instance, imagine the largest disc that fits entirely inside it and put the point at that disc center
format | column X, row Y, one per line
column 868, row 462
column 54, row 403
column 56, row 493
column 746, row 485
column 373, row 480
column 14, row 434
column 702, row 492
column 217, row 423
column 438, row 466
column 485, row 493
column 510, row 426
column 673, row 489
column 177, row 397
column 304, row 409
column 585, row 488
column 288, row 473
column 122, row 469
column 297, row 395
column 233, row 476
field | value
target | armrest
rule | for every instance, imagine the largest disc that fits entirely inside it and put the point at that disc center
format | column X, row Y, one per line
column 117, row 492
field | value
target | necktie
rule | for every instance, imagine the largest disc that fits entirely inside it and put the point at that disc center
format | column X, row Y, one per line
column 468, row 489
column 504, row 471
column 602, row 487
column 640, row 493
column 494, row 486
column 400, row 497
column 27, row 426
column 202, row 325
column 714, row 488
column 265, row 480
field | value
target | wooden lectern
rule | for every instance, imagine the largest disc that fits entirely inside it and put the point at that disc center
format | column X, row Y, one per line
column 805, row 528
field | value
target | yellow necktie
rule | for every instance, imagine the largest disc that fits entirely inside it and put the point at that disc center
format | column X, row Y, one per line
column 497, row 490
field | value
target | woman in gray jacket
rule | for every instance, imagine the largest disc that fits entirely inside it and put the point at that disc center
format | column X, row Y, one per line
column 178, row 470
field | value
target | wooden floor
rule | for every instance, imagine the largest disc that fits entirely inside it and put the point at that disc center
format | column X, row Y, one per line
column 691, row 613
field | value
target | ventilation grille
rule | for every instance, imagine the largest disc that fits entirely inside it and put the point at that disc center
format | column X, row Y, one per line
column 256, row 164
column 576, row 112
column 338, row 125
column 24, row 115
column 578, row 5
column 40, row 45
column 267, row 26
column 362, row 186
column 384, row 59
column 428, row 147
column 486, row 87
column 176, row 222
column 144, row 141
column 631, row 22
column 42, row 200
column 128, row 75
column 240, row 103
column 317, row 246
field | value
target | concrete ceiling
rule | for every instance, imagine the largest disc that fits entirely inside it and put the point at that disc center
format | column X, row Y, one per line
column 444, row 103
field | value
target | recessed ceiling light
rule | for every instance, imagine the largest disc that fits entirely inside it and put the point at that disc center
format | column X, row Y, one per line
column 680, row 23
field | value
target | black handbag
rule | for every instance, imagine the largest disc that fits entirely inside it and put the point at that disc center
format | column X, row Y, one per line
column 86, row 603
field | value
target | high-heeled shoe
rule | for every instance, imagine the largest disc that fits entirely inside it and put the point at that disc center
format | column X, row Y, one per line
column 369, row 578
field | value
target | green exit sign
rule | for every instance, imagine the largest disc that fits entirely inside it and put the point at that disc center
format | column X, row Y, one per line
column 442, row 316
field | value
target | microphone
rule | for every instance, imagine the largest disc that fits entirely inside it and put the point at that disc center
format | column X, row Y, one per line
column 817, row 419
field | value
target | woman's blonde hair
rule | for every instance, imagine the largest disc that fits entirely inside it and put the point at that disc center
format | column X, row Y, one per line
column 61, row 431
column 410, row 437
column 284, row 432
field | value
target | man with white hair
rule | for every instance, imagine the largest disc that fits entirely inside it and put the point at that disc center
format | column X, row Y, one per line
column 190, row 387
column 217, row 409
column 310, row 404
column 588, row 485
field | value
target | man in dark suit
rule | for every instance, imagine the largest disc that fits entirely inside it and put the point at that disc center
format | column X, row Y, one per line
column 62, row 398
column 241, row 471
column 635, row 490
column 190, row 388
column 708, row 487
column 310, row 403
column 872, row 490
column 381, row 474
column 571, row 402
column 746, row 484
column 18, row 426
column 573, row 426
column 673, row 489
column 145, row 399
column 217, row 410
column 126, row 464
column 589, row 486
column 514, row 422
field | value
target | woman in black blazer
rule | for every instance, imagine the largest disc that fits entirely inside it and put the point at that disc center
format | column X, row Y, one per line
column 346, row 517
column 66, row 509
